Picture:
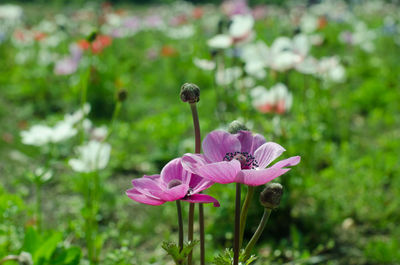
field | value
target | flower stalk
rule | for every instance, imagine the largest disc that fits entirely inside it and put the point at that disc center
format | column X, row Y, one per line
column 236, row 246
column 270, row 199
column 191, row 93
column 257, row 234
column 196, row 125
column 180, row 224
column 243, row 214
column 38, row 187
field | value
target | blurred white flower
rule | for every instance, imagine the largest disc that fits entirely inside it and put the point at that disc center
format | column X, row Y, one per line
column 362, row 37
column 25, row 258
column 330, row 69
column 277, row 99
column 62, row 131
column 204, row 64
column 220, row 41
column 308, row 23
column 255, row 57
column 37, row 135
column 227, row 76
column 10, row 12
column 99, row 133
column 43, row 174
column 240, row 31
column 91, row 157
column 282, row 56
column 78, row 115
column 308, row 66
column 241, row 26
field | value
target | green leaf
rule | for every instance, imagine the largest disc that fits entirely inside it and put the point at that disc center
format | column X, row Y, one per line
column 179, row 256
column 47, row 248
column 226, row 258
column 31, row 240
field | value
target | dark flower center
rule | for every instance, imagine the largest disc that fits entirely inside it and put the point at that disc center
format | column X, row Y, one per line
column 174, row 183
column 247, row 161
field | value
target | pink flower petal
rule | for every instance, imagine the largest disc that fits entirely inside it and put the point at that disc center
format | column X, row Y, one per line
column 173, row 170
column 148, row 186
column 249, row 142
column 267, row 153
column 221, row 172
column 291, row 161
column 218, row 143
column 191, row 162
column 152, row 189
column 174, row 193
column 198, row 183
column 253, row 177
column 202, row 198
column 258, row 140
column 139, row 197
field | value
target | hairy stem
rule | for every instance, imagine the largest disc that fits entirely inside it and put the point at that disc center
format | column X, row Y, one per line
column 197, row 148
column 236, row 247
column 257, row 234
column 180, row 223
column 243, row 214
column 190, row 230
column 202, row 240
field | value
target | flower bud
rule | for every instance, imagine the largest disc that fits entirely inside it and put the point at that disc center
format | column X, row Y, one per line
column 92, row 36
column 236, row 126
column 190, row 93
column 270, row 197
column 122, row 94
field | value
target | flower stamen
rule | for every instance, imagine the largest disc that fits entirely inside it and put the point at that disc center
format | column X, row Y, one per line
column 247, row 161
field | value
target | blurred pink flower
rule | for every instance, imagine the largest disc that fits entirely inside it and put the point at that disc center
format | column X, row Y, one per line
column 174, row 183
column 235, row 7
column 66, row 66
column 239, row 158
column 69, row 65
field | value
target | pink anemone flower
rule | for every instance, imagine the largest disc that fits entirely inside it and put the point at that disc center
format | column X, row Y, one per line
column 174, row 183
column 238, row 158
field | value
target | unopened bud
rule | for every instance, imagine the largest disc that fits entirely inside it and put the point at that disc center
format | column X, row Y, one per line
column 92, row 36
column 270, row 197
column 122, row 94
column 236, row 126
column 190, row 93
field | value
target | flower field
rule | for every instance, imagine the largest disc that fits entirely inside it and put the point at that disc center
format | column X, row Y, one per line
column 234, row 132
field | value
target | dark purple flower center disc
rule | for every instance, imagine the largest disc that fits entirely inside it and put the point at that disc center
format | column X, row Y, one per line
column 247, row 161
column 174, row 183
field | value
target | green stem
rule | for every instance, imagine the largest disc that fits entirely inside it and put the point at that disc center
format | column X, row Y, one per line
column 243, row 215
column 94, row 211
column 87, row 217
column 196, row 125
column 190, row 230
column 85, row 83
column 115, row 114
column 236, row 247
column 257, row 234
column 38, row 187
column 180, row 223
column 202, row 240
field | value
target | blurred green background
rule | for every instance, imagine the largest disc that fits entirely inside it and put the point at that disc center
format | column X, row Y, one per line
column 340, row 204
